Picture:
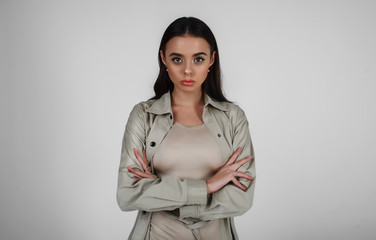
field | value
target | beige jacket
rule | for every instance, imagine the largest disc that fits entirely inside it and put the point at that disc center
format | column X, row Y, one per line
column 147, row 125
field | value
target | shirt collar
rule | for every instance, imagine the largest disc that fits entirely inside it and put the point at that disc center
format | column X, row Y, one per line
column 163, row 104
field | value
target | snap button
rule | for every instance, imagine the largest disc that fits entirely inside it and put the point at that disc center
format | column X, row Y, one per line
column 152, row 144
column 219, row 135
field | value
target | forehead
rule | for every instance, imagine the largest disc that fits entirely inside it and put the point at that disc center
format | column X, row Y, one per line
column 187, row 45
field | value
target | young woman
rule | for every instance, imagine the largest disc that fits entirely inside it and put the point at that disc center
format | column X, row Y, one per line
column 187, row 159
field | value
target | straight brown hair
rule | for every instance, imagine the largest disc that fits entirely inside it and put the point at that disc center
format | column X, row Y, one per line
column 212, row 85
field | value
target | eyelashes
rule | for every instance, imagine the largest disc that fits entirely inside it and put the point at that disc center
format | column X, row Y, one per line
column 177, row 60
column 196, row 60
column 199, row 59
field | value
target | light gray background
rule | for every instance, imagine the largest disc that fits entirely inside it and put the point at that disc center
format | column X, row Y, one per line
column 303, row 71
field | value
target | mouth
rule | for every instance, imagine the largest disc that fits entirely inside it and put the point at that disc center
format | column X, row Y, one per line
column 187, row 82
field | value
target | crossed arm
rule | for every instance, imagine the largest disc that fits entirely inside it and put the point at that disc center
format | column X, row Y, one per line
column 216, row 197
column 226, row 174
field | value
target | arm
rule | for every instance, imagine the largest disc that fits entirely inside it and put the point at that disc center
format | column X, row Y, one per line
column 230, row 200
column 151, row 194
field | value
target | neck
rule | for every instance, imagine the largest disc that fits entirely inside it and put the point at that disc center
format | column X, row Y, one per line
column 180, row 98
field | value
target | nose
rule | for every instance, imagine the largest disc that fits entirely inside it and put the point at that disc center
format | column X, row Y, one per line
column 188, row 68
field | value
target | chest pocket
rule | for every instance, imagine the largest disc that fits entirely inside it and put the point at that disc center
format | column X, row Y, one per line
column 158, row 130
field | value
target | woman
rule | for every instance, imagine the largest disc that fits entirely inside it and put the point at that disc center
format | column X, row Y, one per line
column 186, row 161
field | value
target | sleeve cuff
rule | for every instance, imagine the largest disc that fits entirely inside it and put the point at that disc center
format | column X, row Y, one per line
column 196, row 191
column 188, row 211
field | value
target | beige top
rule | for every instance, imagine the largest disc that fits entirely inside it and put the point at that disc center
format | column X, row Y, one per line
column 147, row 126
column 188, row 153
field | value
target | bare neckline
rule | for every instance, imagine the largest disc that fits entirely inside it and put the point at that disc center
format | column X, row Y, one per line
column 185, row 126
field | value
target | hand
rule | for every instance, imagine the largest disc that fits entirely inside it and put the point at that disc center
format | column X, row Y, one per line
column 144, row 163
column 228, row 173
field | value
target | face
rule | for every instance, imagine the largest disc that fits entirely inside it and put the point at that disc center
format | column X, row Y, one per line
column 188, row 60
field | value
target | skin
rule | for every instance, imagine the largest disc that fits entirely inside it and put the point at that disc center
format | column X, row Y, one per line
column 188, row 60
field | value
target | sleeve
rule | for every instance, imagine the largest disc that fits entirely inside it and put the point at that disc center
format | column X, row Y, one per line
column 229, row 201
column 166, row 193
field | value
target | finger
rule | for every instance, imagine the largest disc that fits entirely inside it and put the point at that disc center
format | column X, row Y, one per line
column 238, row 184
column 243, row 175
column 234, row 156
column 139, row 158
column 152, row 176
column 148, row 169
column 139, row 173
column 136, row 178
column 239, row 163
column 144, row 154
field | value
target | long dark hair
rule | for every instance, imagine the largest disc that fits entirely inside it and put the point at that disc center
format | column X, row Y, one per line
column 212, row 86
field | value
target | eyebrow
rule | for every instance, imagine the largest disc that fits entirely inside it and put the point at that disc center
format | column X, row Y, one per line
column 180, row 55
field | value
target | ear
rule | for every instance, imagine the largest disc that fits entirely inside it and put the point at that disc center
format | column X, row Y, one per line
column 212, row 58
column 162, row 57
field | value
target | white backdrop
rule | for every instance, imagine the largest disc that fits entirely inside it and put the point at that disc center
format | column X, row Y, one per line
column 303, row 71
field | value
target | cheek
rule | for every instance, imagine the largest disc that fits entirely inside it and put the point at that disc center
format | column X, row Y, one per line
column 203, row 70
column 174, row 68
column 174, row 72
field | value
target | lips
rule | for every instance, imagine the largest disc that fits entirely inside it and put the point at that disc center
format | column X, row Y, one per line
column 187, row 82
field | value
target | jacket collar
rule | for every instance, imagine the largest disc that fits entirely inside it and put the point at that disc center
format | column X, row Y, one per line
column 163, row 104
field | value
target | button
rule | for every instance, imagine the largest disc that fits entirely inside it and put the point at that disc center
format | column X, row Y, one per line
column 170, row 116
column 152, row 144
column 219, row 135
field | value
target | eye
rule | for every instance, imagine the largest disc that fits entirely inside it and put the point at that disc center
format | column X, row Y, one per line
column 198, row 60
column 177, row 60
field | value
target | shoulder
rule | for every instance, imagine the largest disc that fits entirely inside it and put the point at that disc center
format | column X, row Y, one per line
column 231, row 110
column 142, row 107
column 139, row 112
